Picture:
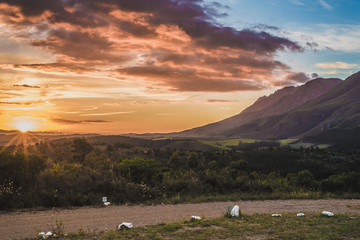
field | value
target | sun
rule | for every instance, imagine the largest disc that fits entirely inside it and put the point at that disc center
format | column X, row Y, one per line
column 24, row 124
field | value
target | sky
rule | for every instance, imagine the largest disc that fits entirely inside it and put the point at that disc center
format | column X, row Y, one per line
column 141, row 66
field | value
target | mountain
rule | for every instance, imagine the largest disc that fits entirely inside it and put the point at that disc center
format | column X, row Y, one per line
column 275, row 104
column 338, row 108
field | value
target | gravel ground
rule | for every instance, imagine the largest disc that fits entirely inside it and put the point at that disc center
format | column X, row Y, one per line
column 22, row 224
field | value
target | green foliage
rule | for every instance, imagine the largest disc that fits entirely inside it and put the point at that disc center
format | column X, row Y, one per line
column 77, row 173
column 334, row 183
column 142, row 170
column 240, row 165
column 80, row 147
column 59, row 228
column 193, row 160
column 306, row 180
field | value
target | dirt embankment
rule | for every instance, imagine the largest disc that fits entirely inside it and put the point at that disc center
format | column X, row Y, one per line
column 19, row 225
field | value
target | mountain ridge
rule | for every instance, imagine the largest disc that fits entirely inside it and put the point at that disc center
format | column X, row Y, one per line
column 277, row 103
column 339, row 107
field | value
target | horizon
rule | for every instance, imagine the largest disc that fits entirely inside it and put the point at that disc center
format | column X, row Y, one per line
column 162, row 66
column 24, row 129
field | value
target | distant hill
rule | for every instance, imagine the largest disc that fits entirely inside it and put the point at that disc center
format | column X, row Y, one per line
column 246, row 123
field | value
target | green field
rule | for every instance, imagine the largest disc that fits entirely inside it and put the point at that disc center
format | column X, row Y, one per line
column 227, row 144
column 285, row 142
column 292, row 142
column 288, row 226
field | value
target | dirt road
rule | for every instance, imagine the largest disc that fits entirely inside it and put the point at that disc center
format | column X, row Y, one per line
column 19, row 225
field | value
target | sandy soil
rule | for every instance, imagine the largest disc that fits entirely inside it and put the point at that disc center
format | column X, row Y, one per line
column 22, row 224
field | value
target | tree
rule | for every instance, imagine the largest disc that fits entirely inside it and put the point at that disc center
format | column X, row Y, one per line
column 193, row 160
column 306, row 179
column 240, row 165
column 80, row 148
column 334, row 183
column 213, row 165
column 142, row 170
column 175, row 160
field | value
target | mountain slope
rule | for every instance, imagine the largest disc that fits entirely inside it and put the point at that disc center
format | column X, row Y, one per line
column 277, row 103
column 337, row 108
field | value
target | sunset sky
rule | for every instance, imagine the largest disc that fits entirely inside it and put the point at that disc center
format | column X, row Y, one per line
column 120, row 66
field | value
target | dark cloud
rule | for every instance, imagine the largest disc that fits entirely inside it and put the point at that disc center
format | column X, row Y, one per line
column 80, row 45
column 136, row 30
column 212, row 9
column 299, row 77
column 67, row 121
column 315, row 75
column 56, row 67
column 190, row 80
column 16, row 103
column 26, row 86
column 313, row 45
column 196, row 19
column 87, row 36
column 198, row 23
column 37, row 7
column 264, row 27
column 213, row 85
column 212, row 60
column 292, row 79
column 219, row 101
column 211, row 36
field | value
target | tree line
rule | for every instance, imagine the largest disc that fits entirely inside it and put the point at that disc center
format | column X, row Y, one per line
column 77, row 173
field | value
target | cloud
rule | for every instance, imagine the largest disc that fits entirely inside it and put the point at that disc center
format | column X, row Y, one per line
column 189, row 79
column 297, row 77
column 315, row 75
column 15, row 103
column 297, row 2
column 293, row 78
column 80, row 45
column 219, row 101
column 312, row 45
column 177, row 45
column 67, row 121
column 336, row 65
column 265, row 27
column 338, row 37
column 107, row 113
column 26, row 86
column 325, row 5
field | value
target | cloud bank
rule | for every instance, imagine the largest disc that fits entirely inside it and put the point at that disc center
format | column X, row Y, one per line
column 176, row 45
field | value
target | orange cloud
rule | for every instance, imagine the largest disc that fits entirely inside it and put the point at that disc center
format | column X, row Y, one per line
column 177, row 45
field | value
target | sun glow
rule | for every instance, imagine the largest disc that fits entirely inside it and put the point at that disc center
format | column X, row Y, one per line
column 24, row 124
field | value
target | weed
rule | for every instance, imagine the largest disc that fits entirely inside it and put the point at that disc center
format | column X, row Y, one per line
column 58, row 229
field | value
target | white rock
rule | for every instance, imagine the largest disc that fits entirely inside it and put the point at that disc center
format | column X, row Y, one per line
column 42, row 235
column 276, row 215
column 49, row 234
column 235, row 212
column 327, row 213
column 196, row 217
column 300, row 215
column 125, row 225
column 106, row 203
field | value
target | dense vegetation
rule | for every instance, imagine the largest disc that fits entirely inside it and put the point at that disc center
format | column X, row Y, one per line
column 77, row 173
